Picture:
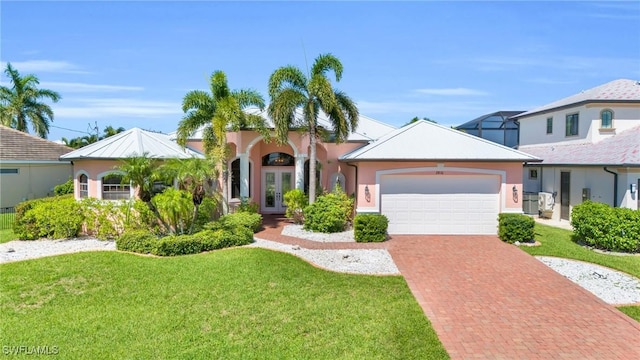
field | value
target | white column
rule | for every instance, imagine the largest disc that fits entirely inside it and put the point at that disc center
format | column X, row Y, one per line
column 244, row 175
column 300, row 171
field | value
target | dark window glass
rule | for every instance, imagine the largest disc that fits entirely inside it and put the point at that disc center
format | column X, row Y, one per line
column 83, row 182
column 549, row 125
column 606, row 119
column 278, row 159
column 8, row 171
column 235, row 179
column 572, row 125
column 113, row 189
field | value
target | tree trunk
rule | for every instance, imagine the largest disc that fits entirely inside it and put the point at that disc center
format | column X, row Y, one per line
column 225, row 190
column 312, row 164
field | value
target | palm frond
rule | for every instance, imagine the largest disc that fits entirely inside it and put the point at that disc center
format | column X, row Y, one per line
column 219, row 85
column 248, row 97
column 324, row 63
column 287, row 77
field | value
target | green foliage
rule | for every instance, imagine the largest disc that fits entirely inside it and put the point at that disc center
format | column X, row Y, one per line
column 175, row 208
column 515, row 227
column 296, row 201
column 64, row 188
column 55, row 218
column 140, row 217
column 138, row 241
column 330, row 213
column 251, row 221
column 178, row 245
column 247, row 206
column 206, row 212
column 104, row 219
column 604, row 227
column 370, row 227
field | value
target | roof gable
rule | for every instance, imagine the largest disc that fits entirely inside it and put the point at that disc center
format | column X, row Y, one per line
column 424, row 140
column 621, row 90
column 133, row 142
column 19, row 146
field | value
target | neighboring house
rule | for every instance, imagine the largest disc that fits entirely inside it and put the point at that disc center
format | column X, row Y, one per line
column 590, row 146
column 29, row 166
column 94, row 166
column 498, row 127
column 428, row 179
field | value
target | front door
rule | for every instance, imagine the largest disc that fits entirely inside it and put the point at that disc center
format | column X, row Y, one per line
column 565, row 189
column 275, row 183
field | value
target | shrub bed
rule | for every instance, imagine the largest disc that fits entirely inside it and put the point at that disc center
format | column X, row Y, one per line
column 329, row 214
column 515, row 227
column 370, row 227
column 605, row 227
column 296, row 201
column 56, row 218
column 252, row 221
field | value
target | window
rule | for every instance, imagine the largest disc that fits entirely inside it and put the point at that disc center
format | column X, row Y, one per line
column 113, row 189
column 606, row 119
column 8, row 171
column 278, row 159
column 533, row 173
column 572, row 125
column 235, row 179
column 549, row 125
column 83, row 183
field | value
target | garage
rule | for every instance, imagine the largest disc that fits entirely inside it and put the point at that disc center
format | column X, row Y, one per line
column 441, row 204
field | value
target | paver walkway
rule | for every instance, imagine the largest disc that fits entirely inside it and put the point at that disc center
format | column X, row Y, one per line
column 490, row 300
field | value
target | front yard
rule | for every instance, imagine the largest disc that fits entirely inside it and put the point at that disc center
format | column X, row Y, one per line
column 236, row 303
column 557, row 242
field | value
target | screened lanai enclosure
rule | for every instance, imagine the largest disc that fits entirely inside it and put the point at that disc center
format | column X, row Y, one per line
column 496, row 127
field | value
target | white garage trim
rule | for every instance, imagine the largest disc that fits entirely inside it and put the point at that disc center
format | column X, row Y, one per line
column 440, row 167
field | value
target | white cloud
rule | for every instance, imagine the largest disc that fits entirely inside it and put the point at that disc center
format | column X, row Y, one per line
column 90, row 108
column 452, row 92
column 81, row 87
column 31, row 66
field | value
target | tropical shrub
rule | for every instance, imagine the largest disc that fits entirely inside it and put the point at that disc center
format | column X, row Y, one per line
column 173, row 245
column 296, row 201
column 515, row 227
column 138, row 241
column 370, row 227
column 605, row 227
column 206, row 212
column 104, row 219
column 330, row 213
column 64, row 188
column 247, row 206
column 176, row 209
column 252, row 221
column 55, row 218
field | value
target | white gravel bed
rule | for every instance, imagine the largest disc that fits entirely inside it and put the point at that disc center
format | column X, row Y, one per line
column 612, row 286
column 22, row 250
column 299, row 232
column 358, row 261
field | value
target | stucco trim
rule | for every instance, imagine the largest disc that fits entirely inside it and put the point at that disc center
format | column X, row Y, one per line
column 247, row 150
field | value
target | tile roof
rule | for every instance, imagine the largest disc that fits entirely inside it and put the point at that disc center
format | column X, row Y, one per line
column 621, row 90
column 424, row 140
column 19, row 146
column 621, row 149
column 368, row 128
column 131, row 143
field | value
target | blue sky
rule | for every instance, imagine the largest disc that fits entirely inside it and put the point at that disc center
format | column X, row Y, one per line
column 130, row 63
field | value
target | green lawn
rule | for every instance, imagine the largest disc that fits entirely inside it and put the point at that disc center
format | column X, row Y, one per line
column 237, row 303
column 6, row 235
column 557, row 242
column 6, row 225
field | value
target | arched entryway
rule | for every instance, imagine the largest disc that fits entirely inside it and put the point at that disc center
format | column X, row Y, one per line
column 278, row 175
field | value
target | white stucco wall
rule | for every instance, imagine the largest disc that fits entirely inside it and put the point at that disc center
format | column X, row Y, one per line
column 33, row 180
column 533, row 129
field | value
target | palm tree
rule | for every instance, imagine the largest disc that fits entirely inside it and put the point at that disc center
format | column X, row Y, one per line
column 192, row 174
column 290, row 89
column 142, row 172
column 20, row 104
column 110, row 131
column 218, row 112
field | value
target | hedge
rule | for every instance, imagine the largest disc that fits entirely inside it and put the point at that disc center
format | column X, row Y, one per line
column 515, row 227
column 605, row 227
column 329, row 214
column 370, row 227
column 56, row 218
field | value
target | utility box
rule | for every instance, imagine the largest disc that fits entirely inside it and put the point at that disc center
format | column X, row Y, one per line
column 586, row 194
column 530, row 203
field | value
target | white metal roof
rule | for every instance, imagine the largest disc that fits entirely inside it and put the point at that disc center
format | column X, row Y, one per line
column 133, row 142
column 368, row 128
column 622, row 90
column 425, row 140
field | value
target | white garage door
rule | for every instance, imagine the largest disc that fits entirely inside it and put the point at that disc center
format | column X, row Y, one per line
column 441, row 204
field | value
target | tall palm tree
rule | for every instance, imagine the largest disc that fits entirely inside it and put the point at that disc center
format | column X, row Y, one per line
column 21, row 104
column 192, row 174
column 218, row 112
column 290, row 90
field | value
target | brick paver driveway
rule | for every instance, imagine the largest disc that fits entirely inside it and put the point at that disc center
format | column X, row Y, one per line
column 487, row 299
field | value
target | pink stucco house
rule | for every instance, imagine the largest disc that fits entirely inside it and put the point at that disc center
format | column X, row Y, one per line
column 427, row 178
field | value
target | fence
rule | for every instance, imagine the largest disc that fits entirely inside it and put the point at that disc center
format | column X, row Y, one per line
column 7, row 217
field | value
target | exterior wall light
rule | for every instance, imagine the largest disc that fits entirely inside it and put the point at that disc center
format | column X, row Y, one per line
column 367, row 194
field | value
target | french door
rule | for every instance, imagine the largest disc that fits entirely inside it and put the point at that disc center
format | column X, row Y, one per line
column 275, row 183
column 565, row 191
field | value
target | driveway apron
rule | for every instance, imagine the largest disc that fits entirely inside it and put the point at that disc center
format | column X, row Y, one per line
column 489, row 300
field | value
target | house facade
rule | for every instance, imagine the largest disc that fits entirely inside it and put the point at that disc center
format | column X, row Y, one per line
column 590, row 146
column 428, row 179
column 29, row 167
